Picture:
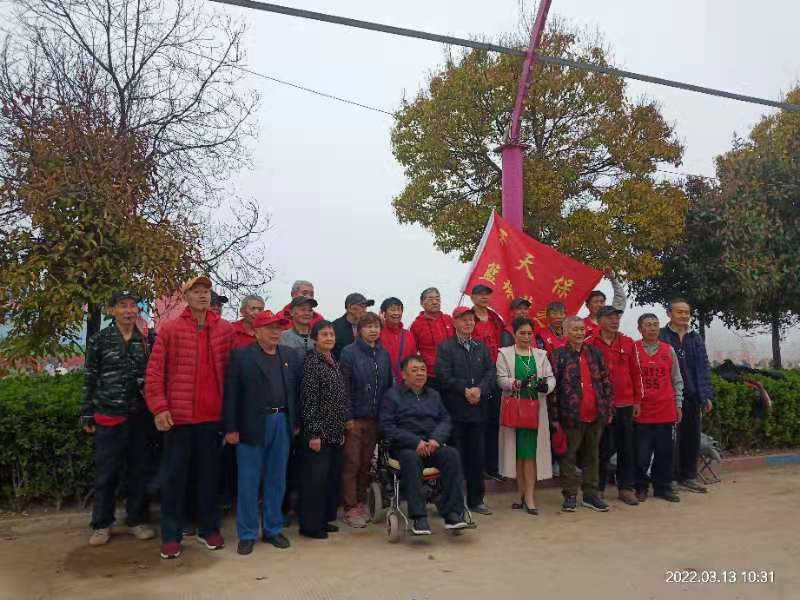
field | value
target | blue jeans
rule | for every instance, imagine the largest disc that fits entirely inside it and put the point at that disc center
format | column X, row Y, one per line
column 263, row 465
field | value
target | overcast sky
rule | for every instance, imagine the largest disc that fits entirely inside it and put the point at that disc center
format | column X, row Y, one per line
column 325, row 171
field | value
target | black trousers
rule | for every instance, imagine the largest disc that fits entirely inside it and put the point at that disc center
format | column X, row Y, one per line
column 125, row 444
column 319, row 487
column 654, row 442
column 186, row 448
column 294, row 468
column 491, row 437
column 451, row 481
column 687, row 440
column 619, row 438
column 470, row 440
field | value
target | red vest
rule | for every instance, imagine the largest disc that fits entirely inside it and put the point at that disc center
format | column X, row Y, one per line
column 658, row 402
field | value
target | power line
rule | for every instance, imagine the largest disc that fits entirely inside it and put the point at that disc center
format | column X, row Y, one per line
column 446, row 39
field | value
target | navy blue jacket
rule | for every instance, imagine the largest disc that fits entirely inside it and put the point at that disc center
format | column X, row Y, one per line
column 458, row 369
column 367, row 374
column 693, row 361
column 407, row 418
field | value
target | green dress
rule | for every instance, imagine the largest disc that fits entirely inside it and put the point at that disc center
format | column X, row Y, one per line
column 524, row 367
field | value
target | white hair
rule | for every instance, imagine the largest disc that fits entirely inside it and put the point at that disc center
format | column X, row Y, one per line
column 300, row 283
column 572, row 319
column 250, row 297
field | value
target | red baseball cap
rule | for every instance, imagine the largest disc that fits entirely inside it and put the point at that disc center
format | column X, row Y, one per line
column 461, row 310
column 267, row 317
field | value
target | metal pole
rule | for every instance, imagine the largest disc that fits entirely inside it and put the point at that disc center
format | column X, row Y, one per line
column 513, row 152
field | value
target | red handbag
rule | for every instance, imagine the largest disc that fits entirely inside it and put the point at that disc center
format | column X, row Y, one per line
column 558, row 442
column 519, row 413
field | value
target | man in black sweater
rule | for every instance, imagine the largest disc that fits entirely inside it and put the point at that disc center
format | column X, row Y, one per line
column 416, row 425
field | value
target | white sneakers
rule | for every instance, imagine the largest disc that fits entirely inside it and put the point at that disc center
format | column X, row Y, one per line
column 100, row 537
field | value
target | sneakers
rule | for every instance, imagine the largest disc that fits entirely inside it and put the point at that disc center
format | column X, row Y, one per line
column 481, row 509
column 245, row 546
column 170, row 550
column 419, row 526
column 142, row 532
column 354, row 518
column 100, row 536
column 641, row 495
column 691, row 485
column 278, row 540
column 570, row 504
column 212, row 541
column 455, row 521
column 189, row 532
column 668, row 495
column 595, row 503
column 314, row 535
column 628, row 497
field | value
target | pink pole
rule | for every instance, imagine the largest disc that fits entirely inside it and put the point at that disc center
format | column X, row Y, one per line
column 513, row 152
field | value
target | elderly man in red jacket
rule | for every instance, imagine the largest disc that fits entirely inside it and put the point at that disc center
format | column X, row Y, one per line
column 183, row 389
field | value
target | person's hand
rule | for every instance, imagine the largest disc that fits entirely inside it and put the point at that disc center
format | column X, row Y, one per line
column 349, row 424
column 315, row 444
column 232, row 438
column 610, row 417
column 709, row 406
column 609, row 272
column 296, row 431
column 637, row 410
column 164, row 421
column 475, row 395
column 88, row 428
column 433, row 445
column 517, row 385
column 680, row 415
column 422, row 448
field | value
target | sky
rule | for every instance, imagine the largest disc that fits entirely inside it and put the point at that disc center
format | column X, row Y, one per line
column 324, row 170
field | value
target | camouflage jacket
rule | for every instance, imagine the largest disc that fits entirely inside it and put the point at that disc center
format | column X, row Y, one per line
column 114, row 373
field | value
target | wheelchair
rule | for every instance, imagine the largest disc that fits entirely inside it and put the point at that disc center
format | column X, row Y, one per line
column 383, row 495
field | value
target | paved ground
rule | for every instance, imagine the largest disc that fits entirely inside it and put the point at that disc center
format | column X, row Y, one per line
column 750, row 521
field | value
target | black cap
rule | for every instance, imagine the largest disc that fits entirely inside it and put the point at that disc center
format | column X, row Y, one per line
column 301, row 300
column 607, row 311
column 481, row 289
column 391, row 301
column 121, row 295
column 519, row 302
column 217, row 300
column 356, row 298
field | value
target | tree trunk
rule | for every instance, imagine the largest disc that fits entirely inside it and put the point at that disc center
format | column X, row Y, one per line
column 93, row 320
column 777, row 363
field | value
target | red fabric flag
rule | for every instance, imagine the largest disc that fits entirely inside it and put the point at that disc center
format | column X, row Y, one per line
column 515, row 265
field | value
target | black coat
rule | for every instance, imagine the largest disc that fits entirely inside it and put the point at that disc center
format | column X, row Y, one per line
column 407, row 418
column 245, row 385
column 367, row 376
column 344, row 335
column 458, row 369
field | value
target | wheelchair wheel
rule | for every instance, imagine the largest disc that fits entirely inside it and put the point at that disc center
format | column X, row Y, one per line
column 393, row 528
column 377, row 512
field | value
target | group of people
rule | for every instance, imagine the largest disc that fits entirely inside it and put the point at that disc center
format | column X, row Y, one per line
column 302, row 401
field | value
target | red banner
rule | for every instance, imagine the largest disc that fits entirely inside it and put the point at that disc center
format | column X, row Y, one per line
column 515, row 265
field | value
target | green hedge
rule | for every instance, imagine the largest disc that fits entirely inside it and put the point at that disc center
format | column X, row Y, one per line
column 45, row 457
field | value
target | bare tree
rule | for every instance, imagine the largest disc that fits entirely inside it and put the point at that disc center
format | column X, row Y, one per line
column 167, row 71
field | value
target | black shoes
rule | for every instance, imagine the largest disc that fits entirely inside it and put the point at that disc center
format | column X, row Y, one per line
column 668, row 495
column 314, row 535
column 455, row 521
column 279, row 540
column 691, row 485
column 494, row 475
column 245, row 546
column 595, row 503
column 570, row 504
column 330, row 528
column 419, row 526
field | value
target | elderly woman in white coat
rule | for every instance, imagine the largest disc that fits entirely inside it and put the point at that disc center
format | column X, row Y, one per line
column 525, row 453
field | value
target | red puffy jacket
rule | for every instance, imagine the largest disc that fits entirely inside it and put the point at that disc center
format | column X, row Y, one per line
column 171, row 372
column 429, row 333
column 392, row 339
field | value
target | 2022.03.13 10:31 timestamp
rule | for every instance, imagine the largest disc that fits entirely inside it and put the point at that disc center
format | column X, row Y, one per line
column 722, row 576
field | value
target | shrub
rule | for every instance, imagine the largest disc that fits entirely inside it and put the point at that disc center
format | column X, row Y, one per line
column 44, row 456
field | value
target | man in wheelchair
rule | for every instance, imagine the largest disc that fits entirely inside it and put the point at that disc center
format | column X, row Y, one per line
column 416, row 426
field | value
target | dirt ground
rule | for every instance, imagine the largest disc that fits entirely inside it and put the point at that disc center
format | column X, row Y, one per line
column 748, row 522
